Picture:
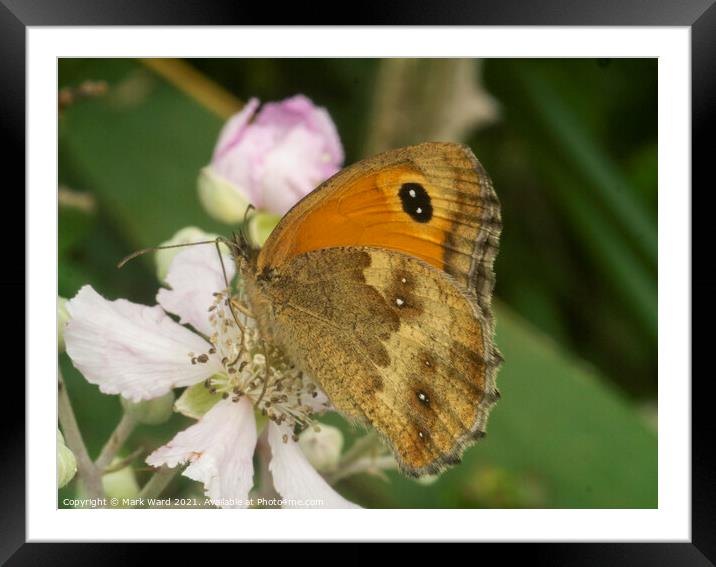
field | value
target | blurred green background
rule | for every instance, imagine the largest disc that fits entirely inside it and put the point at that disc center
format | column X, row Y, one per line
column 571, row 146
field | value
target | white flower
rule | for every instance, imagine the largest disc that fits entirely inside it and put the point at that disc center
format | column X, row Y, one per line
column 322, row 447
column 141, row 353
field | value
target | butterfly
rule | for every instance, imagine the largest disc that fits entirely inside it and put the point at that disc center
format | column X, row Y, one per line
column 378, row 285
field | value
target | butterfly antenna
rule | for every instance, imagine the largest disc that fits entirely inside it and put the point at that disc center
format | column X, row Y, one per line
column 228, row 286
column 216, row 242
column 229, row 302
column 143, row 251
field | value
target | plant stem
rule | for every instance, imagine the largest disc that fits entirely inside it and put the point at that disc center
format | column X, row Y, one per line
column 407, row 109
column 365, row 465
column 156, row 485
column 194, row 83
column 368, row 444
column 119, row 465
column 366, row 455
column 86, row 470
column 115, row 442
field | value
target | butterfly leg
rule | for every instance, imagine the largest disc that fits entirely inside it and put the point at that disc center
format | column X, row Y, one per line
column 266, row 378
column 241, row 307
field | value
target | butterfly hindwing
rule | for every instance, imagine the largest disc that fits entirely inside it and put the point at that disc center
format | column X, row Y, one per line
column 393, row 341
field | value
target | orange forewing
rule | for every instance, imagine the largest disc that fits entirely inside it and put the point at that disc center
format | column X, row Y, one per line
column 363, row 212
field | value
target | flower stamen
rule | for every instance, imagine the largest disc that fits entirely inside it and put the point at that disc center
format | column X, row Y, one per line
column 255, row 369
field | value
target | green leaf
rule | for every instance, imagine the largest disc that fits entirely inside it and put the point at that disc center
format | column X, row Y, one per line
column 140, row 149
column 76, row 225
column 609, row 184
column 606, row 213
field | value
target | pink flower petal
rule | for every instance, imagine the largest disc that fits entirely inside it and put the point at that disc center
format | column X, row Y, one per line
column 285, row 114
column 320, row 122
column 291, row 170
column 234, row 129
column 290, row 147
column 220, row 449
column 294, row 477
column 131, row 349
column 242, row 164
column 194, row 276
column 298, row 110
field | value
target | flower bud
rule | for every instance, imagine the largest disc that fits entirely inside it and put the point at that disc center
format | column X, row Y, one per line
column 119, row 485
column 323, row 447
column 261, row 225
column 116, row 485
column 63, row 316
column 151, row 412
column 270, row 157
column 187, row 235
column 220, row 198
column 66, row 462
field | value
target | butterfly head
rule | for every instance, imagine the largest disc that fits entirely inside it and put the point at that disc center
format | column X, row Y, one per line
column 243, row 249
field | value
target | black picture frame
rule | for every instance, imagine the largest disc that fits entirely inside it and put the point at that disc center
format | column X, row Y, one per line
column 699, row 15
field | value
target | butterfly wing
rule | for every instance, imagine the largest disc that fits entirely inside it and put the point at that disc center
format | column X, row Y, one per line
column 393, row 341
column 433, row 201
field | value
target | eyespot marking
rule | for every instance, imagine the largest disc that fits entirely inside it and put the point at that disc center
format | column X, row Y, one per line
column 423, row 397
column 416, row 202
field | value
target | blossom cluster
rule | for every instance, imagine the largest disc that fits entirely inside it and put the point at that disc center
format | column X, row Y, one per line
column 201, row 335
